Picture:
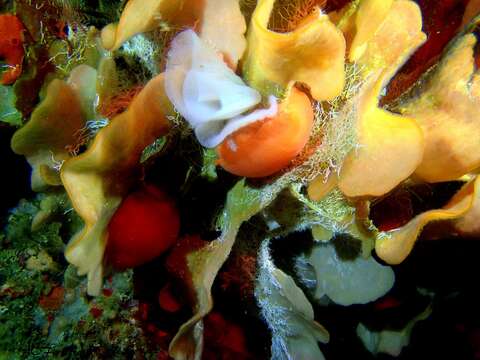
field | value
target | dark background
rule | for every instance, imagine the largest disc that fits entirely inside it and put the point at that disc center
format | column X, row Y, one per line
column 15, row 173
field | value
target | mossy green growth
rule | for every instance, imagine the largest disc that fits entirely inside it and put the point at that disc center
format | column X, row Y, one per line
column 80, row 47
column 209, row 165
column 22, row 286
column 8, row 112
column 103, row 327
column 44, row 309
column 153, row 149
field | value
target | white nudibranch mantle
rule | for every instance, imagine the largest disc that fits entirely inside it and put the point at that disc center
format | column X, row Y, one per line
column 207, row 93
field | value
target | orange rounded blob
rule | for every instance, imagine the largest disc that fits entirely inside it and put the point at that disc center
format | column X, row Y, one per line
column 11, row 48
column 267, row 146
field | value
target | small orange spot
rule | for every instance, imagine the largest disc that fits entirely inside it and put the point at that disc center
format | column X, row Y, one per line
column 11, row 48
column 107, row 292
column 54, row 300
column 96, row 312
column 388, row 302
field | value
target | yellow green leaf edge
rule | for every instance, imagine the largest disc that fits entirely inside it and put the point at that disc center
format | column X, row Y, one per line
column 44, row 139
column 393, row 247
column 97, row 180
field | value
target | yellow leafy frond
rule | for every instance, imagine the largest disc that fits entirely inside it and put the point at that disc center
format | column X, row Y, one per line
column 398, row 36
column 447, row 112
column 367, row 20
column 140, row 16
column 313, row 54
column 54, row 126
column 389, row 149
column 397, row 244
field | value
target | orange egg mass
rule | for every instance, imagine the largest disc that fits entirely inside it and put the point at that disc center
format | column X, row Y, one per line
column 267, row 146
column 145, row 225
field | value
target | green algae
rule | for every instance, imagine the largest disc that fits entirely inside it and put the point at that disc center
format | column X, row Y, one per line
column 35, row 323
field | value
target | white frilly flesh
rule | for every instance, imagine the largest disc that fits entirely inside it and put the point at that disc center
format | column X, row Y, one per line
column 213, row 133
column 207, row 93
